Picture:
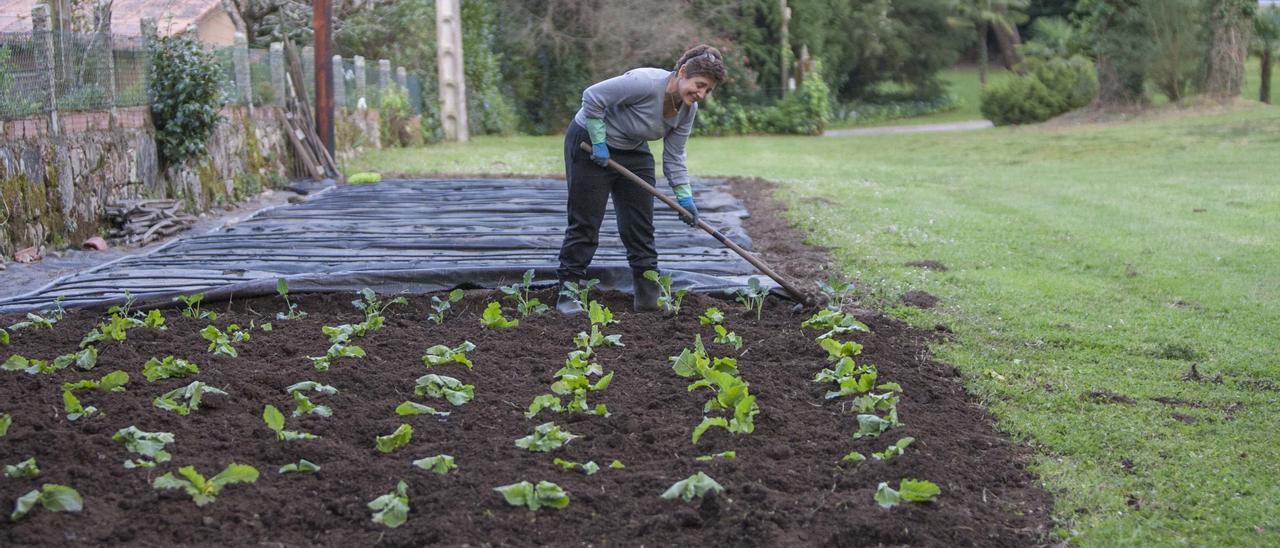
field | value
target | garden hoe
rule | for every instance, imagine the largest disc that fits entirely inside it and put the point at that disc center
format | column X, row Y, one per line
column 763, row 268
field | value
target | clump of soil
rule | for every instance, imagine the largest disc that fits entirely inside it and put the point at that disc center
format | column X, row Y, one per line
column 928, row 265
column 1105, row 396
column 919, row 299
column 787, row 485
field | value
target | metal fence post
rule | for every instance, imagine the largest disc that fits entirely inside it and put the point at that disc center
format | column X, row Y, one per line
column 275, row 55
column 102, row 22
column 42, row 39
column 339, row 83
column 362, row 84
column 240, row 65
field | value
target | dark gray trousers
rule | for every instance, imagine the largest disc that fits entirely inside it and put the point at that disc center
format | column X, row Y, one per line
column 590, row 187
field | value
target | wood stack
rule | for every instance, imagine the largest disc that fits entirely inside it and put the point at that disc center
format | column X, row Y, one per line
column 141, row 222
column 307, row 147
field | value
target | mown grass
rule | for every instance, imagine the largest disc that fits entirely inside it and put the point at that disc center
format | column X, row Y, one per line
column 1084, row 262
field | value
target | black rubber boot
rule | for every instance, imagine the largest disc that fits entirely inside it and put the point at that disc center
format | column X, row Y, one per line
column 646, row 293
column 566, row 304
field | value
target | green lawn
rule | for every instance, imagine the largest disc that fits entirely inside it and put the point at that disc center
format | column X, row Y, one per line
column 1082, row 259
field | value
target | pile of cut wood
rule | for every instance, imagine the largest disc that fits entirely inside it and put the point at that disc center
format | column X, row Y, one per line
column 141, row 222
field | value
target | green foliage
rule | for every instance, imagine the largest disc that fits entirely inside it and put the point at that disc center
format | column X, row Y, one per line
column 395, row 119
column 192, row 394
column 711, row 315
column 696, row 485
column 589, row 468
column 724, row 336
column 545, row 437
column 440, row 306
column 192, row 309
column 730, row 392
column 303, row 466
column 727, row 455
column 440, row 464
column 836, row 291
column 579, row 292
column 22, row 470
column 806, row 111
column 669, row 300
column 752, row 296
column 292, row 313
column 220, row 342
column 392, row 509
column 908, row 490
column 204, row 491
column 148, row 444
column 519, row 292
column 274, row 420
column 1018, row 101
column 84, row 359
column 304, row 404
column 394, row 440
column 492, row 317
column 533, row 496
column 111, row 382
column 74, row 409
column 6, row 420
column 440, row 386
column 364, row 178
column 441, row 354
column 184, row 85
column 51, row 496
column 489, row 112
column 411, row 408
column 898, row 448
column 168, row 368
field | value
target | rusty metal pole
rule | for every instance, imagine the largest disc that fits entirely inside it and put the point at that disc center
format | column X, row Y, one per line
column 322, row 21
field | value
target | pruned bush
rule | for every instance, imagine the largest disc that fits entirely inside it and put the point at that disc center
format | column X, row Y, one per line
column 1052, row 87
column 1074, row 80
column 185, row 85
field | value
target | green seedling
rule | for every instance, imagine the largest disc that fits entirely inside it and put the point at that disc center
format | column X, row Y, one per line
column 148, row 444
column 595, row 339
column 292, row 313
column 394, row 440
column 894, row 450
column 39, row 320
column 22, row 470
column 74, row 409
column 392, row 509
column 617, row 465
column 835, row 322
column 599, row 314
column 753, row 296
column 84, row 359
column 411, row 408
column 374, row 309
column 669, row 300
column 909, row 490
column 192, row 310
column 364, row 178
column 6, row 420
column 440, row 306
column 304, row 404
column 493, row 318
column 577, row 387
column 871, row 426
column 204, row 491
column 579, row 292
column 544, row 401
column 120, row 320
column 873, row 402
column 836, row 291
column 336, row 350
column 275, row 421
column 53, row 497
column 221, row 342
column 724, row 336
column 533, row 496
column 111, row 382
column 449, row 388
column 440, row 464
column 168, row 368
column 519, row 292
column 441, row 354
column 727, row 455
column 303, row 466
column 696, row 485
column 589, row 468
column 192, row 394
column 546, row 437
column 711, row 316
column 579, row 363
column 860, row 380
column 4, row 336
column 853, row 456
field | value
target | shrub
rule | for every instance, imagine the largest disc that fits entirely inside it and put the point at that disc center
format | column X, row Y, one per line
column 186, row 94
column 1018, row 101
column 1074, row 80
column 396, row 118
column 805, row 111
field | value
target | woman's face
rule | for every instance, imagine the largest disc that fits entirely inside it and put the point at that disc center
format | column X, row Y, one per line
column 695, row 89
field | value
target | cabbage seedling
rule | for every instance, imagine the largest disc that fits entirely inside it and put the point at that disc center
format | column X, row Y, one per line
column 836, row 291
column 669, row 300
column 275, row 421
column 84, row 359
column 519, row 292
column 595, row 339
column 220, row 342
column 282, row 288
column 394, row 440
column 579, row 292
column 440, row 306
column 440, row 464
column 148, row 444
column 304, row 404
column 373, row 308
column 74, row 409
column 854, row 456
column 546, row 437
column 411, row 408
column 711, row 316
column 872, row 425
column 22, row 470
column 724, row 336
column 53, row 497
column 441, row 354
column 4, row 336
column 440, row 386
column 392, row 509
column 893, row 450
column 909, row 490
column 111, row 382
column 193, row 310
column 493, row 318
column 168, row 368
column 203, row 491
column 696, row 485
column 192, row 393
column 533, row 496
column 303, row 466
column 753, row 296
column 727, row 455
column 589, row 468
column 6, row 420
column 599, row 314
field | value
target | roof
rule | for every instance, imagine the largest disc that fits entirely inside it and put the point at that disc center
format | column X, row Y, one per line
column 171, row 15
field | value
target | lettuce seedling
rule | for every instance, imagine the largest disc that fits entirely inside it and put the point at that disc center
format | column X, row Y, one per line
column 6, row 420
column 394, row 440
column 727, row 455
column 669, row 300
column 392, row 509
column 221, row 342
column 41, row 320
column 909, row 490
column 111, row 382
column 168, row 368
column 84, row 359
column 148, row 444
column 204, row 491
column 282, row 289
column 411, row 408
column 303, row 466
column 193, row 310
column 275, row 421
column 596, row 339
column 577, row 387
column 533, row 496
column 74, row 409
column 835, row 322
column 853, row 456
column 53, row 497
column 724, row 336
column 696, row 485
column 589, row 468
column 579, row 363
column 440, row 386
column 753, row 296
column 579, row 292
column 192, row 393
column 440, row 306
column 441, row 354
column 706, row 424
column 873, row 402
column 336, row 350
column 711, row 316
column 617, row 465
column 493, row 318
column 545, row 401
column 872, row 425
column 599, row 314
column 22, row 470
column 440, row 464
column 304, row 404
column 519, row 292
column 893, row 450
column 311, row 386
column 546, row 437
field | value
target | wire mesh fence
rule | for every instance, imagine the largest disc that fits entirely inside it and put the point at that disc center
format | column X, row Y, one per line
column 24, row 77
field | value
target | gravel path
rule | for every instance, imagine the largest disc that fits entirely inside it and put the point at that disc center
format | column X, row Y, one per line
column 927, row 128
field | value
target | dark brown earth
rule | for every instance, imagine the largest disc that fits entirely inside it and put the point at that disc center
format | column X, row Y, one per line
column 787, row 486
column 919, row 299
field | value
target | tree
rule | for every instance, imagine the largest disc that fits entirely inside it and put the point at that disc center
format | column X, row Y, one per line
column 991, row 16
column 1230, row 22
column 1266, row 29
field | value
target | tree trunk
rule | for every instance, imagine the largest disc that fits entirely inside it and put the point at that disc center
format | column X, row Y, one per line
column 1008, row 39
column 1229, row 29
column 982, row 54
column 1264, row 89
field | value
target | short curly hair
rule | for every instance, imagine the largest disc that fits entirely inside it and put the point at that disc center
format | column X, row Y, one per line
column 703, row 60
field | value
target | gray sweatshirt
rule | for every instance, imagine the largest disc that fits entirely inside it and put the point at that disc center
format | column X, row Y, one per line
column 631, row 106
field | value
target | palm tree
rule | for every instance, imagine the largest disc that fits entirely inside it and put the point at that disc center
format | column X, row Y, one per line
column 1266, row 29
column 985, row 16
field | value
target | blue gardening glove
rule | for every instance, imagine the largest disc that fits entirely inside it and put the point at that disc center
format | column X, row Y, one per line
column 600, row 154
column 687, row 203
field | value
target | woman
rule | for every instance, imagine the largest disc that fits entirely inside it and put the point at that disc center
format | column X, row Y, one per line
column 619, row 116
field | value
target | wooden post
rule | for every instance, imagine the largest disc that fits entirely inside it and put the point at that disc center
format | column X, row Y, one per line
column 453, row 85
column 785, row 48
column 322, row 65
